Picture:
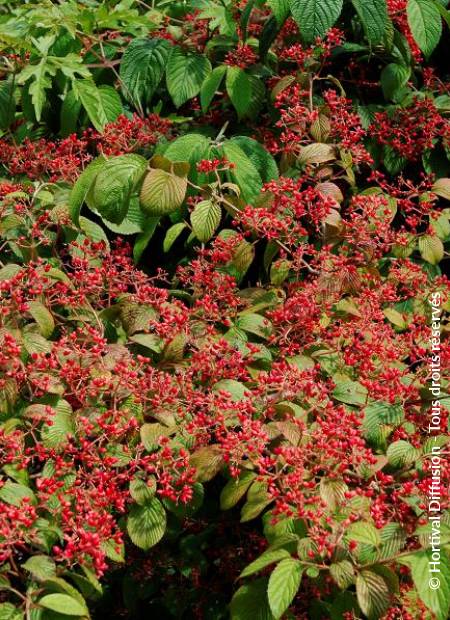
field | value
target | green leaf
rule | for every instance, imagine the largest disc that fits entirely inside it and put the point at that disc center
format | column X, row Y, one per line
column 245, row 173
column 372, row 593
column 117, row 178
column 55, row 435
column 280, row 9
column 342, row 573
column 393, row 78
column 191, row 147
column 211, row 85
column 14, row 493
column 350, row 392
column 82, row 187
column 234, row 388
column 63, row 604
column 401, row 453
column 143, row 239
column 7, row 104
column 250, row 602
column 235, row 489
column 142, row 68
column 102, row 104
column 266, row 559
column 364, row 532
column 172, row 235
column 255, row 324
column 239, row 90
column 438, row 601
column 431, row 249
column 284, row 583
column 43, row 317
column 146, row 524
column 185, row 75
column 425, row 22
column 315, row 17
column 162, row 192
column 93, row 231
column 70, row 111
column 205, row 218
column 257, row 154
column 208, row 462
column 10, row 612
column 374, row 18
column 257, row 500
column 40, row 566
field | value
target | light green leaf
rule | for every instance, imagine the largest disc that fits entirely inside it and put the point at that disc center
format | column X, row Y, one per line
column 63, row 604
column 431, row 249
column 185, row 75
column 142, row 68
column 364, row 532
column 425, row 22
column 82, row 187
column 146, row 524
column 350, row 392
column 372, row 593
column 284, row 583
column 280, row 9
column 401, row 453
column 172, row 235
column 14, row 493
column 257, row 154
column 205, row 218
column 10, row 612
column 162, row 192
column 266, row 559
column 255, row 324
column 438, row 600
column 315, row 17
column 40, row 566
column 235, row 489
column 43, row 317
column 250, row 602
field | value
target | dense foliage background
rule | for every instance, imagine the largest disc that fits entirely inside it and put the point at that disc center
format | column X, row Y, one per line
column 221, row 227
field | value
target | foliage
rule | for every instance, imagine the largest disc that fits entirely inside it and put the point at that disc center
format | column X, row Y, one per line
column 222, row 224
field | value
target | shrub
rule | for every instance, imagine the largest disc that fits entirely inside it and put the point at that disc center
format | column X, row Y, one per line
column 224, row 228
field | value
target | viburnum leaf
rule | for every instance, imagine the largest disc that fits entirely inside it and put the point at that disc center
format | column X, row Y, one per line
column 42, row 316
column 10, row 612
column 205, row 218
column 117, row 178
column 146, row 524
column 235, row 489
column 315, row 17
column 280, row 9
column 250, row 602
column 208, row 461
column 266, row 559
column 102, row 104
column 284, row 583
column 374, row 18
column 211, row 85
column 431, row 249
column 441, row 187
column 401, row 453
column 425, row 22
column 239, row 89
column 172, row 235
column 372, row 593
column 40, row 566
column 162, row 192
column 185, row 74
column 437, row 600
column 350, row 392
column 82, row 187
column 343, row 573
column 245, row 173
column 364, row 532
column 316, row 153
column 63, row 604
column 142, row 68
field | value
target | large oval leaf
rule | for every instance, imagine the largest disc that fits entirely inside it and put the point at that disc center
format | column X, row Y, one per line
column 146, row 524
column 114, row 184
column 162, row 192
column 185, row 75
column 315, row 17
column 142, row 68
